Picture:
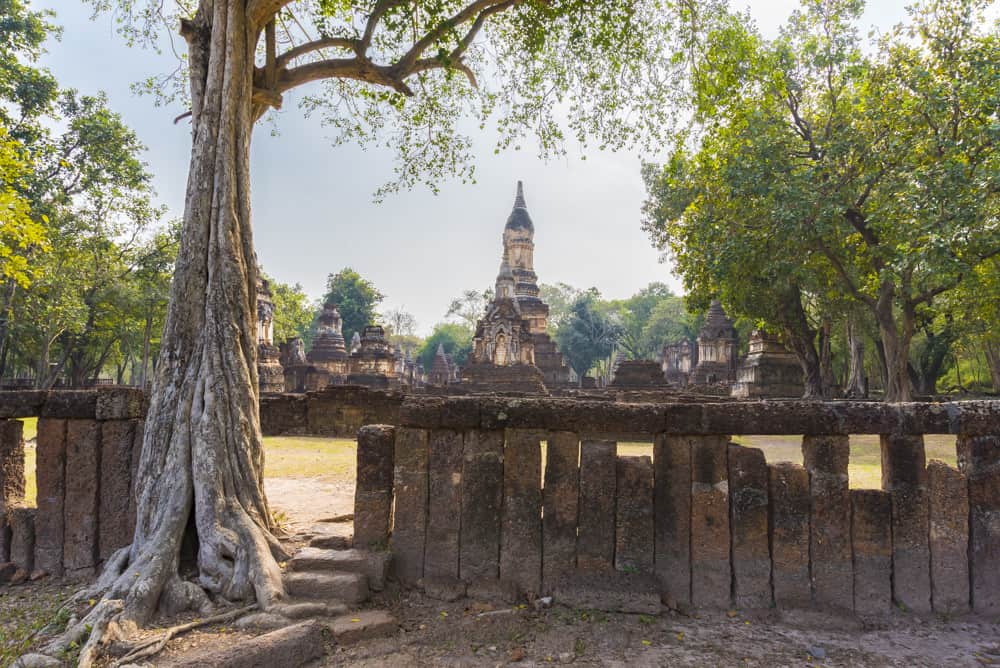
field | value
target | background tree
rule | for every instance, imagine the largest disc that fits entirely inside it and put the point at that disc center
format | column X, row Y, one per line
column 293, row 313
column 397, row 72
column 456, row 339
column 560, row 297
column 469, row 307
column 355, row 297
column 586, row 335
column 874, row 178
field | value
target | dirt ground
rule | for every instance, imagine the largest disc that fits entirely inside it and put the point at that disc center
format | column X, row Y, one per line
column 473, row 634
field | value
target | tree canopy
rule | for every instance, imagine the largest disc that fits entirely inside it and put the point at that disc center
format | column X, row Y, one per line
column 355, row 297
column 824, row 171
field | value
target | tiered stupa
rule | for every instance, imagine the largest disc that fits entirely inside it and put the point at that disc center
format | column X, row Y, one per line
column 769, row 370
column 329, row 351
column 440, row 374
column 512, row 350
column 716, row 349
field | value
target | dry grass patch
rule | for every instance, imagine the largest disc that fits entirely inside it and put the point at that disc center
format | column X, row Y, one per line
column 310, row 457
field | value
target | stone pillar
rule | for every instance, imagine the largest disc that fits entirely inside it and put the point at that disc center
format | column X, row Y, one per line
column 871, row 541
column 904, row 476
column 672, row 517
column 22, row 541
column 373, row 493
column 788, row 490
column 521, row 527
column 50, row 466
column 949, row 538
column 11, row 464
column 751, row 555
column 711, row 573
column 482, row 501
column 83, row 479
column 410, row 491
column 634, row 515
column 114, row 522
column 979, row 459
column 595, row 543
column 444, row 507
column 560, row 499
column 826, row 459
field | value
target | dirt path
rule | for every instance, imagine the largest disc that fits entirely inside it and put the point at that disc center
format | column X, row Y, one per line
column 301, row 502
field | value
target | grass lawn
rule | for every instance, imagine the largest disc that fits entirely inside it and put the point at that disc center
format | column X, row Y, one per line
column 334, row 459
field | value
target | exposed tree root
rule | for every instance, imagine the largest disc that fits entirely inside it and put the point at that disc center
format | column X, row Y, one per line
column 153, row 646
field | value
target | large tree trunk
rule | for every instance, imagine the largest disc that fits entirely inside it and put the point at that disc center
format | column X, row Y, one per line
column 993, row 359
column 800, row 337
column 896, row 343
column 856, row 386
column 825, row 344
column 202, row 455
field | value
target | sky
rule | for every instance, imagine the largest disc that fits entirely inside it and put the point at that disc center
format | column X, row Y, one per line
column 313, row 205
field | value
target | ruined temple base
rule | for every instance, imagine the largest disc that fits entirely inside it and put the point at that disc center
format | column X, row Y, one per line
column 490, row 379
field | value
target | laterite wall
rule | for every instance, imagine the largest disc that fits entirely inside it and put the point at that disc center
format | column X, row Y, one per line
column 456, row 491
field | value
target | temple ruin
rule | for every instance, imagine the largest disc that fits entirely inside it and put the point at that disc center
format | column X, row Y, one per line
column 269, row 370
column 768, row 370
column 512, row 350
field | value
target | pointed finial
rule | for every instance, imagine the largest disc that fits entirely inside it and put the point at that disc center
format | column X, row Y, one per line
column 519, row 199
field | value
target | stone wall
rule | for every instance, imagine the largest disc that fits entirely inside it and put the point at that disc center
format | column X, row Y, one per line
column 335, row 411
column 85, row 463
column 703, row 523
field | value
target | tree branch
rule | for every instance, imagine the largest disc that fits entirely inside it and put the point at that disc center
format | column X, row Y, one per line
column 341, row 68
column 327, row 42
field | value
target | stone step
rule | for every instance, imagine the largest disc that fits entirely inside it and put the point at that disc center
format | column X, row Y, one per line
column 332, row 536
column 375, row 565
column 349, row 588
column 357, row 626
column 295, row 609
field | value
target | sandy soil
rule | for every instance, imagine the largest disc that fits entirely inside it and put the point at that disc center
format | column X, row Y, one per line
column 301, row 502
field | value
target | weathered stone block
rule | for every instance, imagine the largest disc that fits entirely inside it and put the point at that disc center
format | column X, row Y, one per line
column 83, row 479
column 70, row 404
column 595, row 543
column 444, row 509
column 979, row 459
column 560, row 498
column 788, row 490
column 22, row 541
column 711, row 574
column 120, row 403
column 22, row 403
column 11, row 464
column 410, row 486
column 482, row 501
column 283, row 414
column 871, row 540
column 421, row 412
column 460, row 413
column 904, row 476
column 4, row 538
column 633, row 593
column 50, row 465
column 115, row 523
column 751, row 556
column 826, row 459
column 634, row 515
column 521, row 532
column 949, row 538
column 672, row 517
column 373, row 492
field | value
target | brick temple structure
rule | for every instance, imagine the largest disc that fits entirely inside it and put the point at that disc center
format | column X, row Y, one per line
column 269, row 370
column 717, row 349
column 512, row 350
column 769, row 370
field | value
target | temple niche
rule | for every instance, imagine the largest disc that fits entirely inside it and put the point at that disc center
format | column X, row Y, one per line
column 512, row 350
column 269, row 371
column 717, row 349
column 769, row 370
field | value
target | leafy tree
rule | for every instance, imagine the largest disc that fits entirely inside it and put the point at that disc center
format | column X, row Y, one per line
column 634, row 315
column 586, row 335
column 456, row 339
column 560, row 297
column 395, row 72
column 470, row 306
column 821, row 174
column 293, row 313
column 669, row 322
column 20, row 234
column 355, row 297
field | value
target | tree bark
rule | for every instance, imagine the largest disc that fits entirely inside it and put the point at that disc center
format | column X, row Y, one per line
column 801, row 339
column 896, row 343
column 992, row 351
column 202, row 454
column 855, row 387
column 825, row 344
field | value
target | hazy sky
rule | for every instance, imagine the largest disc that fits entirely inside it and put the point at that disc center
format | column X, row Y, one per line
column 313, row 208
